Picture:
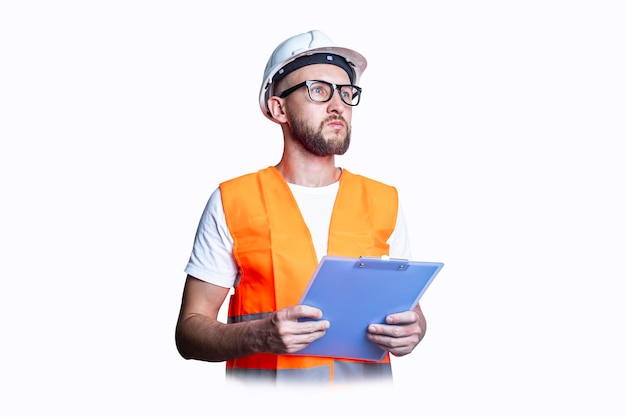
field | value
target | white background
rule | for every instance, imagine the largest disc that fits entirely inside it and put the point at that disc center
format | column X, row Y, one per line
column 501, row 123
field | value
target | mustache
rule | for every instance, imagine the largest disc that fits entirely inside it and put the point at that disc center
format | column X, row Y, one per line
column 335, row 117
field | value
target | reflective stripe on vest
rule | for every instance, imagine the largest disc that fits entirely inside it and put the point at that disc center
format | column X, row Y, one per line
column 275, row 253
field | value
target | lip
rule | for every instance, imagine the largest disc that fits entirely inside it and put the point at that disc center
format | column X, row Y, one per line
column 336, row 124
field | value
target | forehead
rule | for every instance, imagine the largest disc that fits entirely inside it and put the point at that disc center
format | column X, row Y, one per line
column 324, row 72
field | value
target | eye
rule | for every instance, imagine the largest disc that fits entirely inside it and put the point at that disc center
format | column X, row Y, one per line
column 320, row 90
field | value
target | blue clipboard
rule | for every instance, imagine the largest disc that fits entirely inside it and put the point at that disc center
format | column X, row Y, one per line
column 356, row 292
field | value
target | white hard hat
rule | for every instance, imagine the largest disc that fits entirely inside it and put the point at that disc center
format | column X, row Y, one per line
column 305, row 44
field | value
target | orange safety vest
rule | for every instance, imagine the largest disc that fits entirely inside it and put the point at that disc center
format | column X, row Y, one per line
column 275, row 253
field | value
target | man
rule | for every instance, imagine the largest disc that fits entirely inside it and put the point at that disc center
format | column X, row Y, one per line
column 264, row 233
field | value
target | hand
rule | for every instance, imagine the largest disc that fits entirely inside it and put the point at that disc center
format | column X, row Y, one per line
column 288, row 335
column 401, row 333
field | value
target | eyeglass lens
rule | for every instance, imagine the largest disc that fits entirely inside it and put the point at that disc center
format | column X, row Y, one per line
column 322, row 91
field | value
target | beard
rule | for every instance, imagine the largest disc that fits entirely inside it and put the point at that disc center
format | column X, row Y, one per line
column 314, row 141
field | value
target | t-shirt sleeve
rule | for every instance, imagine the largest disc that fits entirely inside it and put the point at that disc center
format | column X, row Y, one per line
column 399, row 245
column 211, row 258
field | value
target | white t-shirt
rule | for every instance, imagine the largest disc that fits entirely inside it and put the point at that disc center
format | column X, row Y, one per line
column 212, row 258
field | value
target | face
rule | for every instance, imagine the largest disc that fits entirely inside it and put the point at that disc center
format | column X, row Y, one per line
column 323, row 129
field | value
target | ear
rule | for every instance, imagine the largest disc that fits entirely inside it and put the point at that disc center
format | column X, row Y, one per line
column 275, row 106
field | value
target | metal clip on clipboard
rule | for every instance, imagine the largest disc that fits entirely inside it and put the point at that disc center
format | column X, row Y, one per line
column 388, row 263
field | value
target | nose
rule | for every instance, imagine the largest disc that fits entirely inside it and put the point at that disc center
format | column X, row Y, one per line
column 336, row 104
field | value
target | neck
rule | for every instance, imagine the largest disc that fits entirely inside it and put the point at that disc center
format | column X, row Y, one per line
column 318, row 173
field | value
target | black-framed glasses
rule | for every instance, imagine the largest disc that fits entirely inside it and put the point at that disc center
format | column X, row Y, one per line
column 322, row 91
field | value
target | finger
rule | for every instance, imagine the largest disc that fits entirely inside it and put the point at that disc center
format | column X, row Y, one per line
column 299, row 342
column 406, row 317
column 384, row 330
column 396, row 345
column 287, row 314
column 285, row 322
column 304, row 311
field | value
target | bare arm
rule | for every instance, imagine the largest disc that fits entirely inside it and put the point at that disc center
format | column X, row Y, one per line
column 402, row 333
column 199, row 335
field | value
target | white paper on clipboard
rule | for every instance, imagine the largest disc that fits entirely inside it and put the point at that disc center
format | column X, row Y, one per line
column 356, row 292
